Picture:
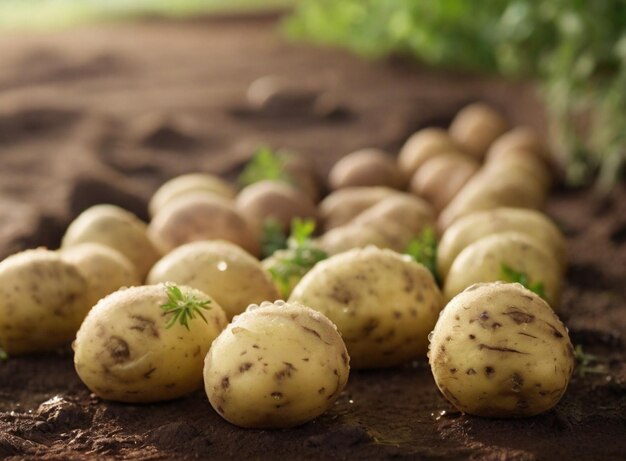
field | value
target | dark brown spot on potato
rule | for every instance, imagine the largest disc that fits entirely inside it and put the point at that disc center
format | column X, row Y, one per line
column 245, row 367
column 277, row 395
column 526, row 334
column 144, row 324
column 409, row 283
column 370, row 326
column 147, row 374
column 484, row 315
column 500, row 349
column 344, row 358
column 321, row 390
column 255, row 346
column 397, row 314
column 470, row 371
column 452, row 370
column 555, row 332
column 519, row 316
column 285, row 372
column 517, row 381
column 220, row 409
column 312, row 331
column 489, row 370
column 496, row 325
column 472, row 337
column 118, row 349
column 225, row 382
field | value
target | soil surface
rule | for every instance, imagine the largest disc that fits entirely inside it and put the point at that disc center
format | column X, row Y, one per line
column 108, row 113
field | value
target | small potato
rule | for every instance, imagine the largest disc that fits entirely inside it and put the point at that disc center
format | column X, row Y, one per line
column 341, row 206
column 483, row 260
column 276, row 365
column 117, row 228
column 523, row 163
column 189, row 183
column 384, row 304
column 472, row 227
column 499, row 351
column 519, row 138
column 105, row 269
column 344, row 238
column 440, row 178
column 302, row 170
column 275, row 200
column 220, row 269
column 128, row 349
column 43, row 300
column 365, row 167
column 476, row 127
column 423, row 145
column 193, row 217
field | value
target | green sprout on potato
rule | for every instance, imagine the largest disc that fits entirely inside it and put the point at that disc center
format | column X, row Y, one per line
column 513, row 276
column 184, row 307
column 265, row 165
column 423, row 249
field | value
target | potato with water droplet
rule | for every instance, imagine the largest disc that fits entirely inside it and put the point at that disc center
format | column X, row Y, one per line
column 43, row 300
column 131, row 348
column 498, row 350
column 383, row 303
column 276, row 365
column 226, row 272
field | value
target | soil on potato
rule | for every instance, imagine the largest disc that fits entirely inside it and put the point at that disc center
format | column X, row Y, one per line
column 107, row 113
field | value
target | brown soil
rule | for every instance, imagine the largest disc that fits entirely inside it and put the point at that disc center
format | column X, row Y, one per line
column 106, row 114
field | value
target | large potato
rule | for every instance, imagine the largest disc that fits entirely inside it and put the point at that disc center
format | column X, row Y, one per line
column 476, row 127
column 349, row 236
column 523, row 163
column 474, row 226
column 365, row 167
column 194, row 217
column 384, row 304
column 518, row 138
column 276, row 365
column 128, row 349
column 484, row 261
column 105, row 269
column 422, row 146
column 117, row 228
column 341, row 206
column 42, row 301
column 189, row 183
column 220, row 269
column 498, row 350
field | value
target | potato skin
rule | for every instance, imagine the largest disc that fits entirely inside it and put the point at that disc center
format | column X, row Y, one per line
column 105, row 269
column 43, row 300
column 124, row 352
column 194, row 217
column 518, row 138
column 276, row 365
column 422, row 146
column 117, row 228
column 221, row 269
column 341, row 206
column 345, row 238
column 482, row 261
column 476, row 127
column 474, row 226
column 189, row 183
column 498, row 350
column 365, row 167
column 384, row 304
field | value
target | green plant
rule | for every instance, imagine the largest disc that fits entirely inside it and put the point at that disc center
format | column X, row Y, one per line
column 423, row 249
column 183, row 307
column 264, row 165
column 587, row 363
column 511, row 275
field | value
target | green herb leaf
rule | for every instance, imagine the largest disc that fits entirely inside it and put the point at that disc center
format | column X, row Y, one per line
column 3, row 355
column 508, row 274
column 183, row 307
column 423, row 249
column 273, row 237
column 587, row 363
column 265, row 164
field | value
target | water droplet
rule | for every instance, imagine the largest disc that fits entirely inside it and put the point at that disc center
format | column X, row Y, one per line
column 350, row 401
column 430, row 335
column 440, row 414
column 222, row 266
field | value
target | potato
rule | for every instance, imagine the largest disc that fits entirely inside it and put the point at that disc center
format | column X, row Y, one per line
column 483, row 260
column 476, row 127
column 339, row 207
column 277, row 365
column 474, row 226
column 220, row 269
column 365, row 167
column 440, row 178
column 423, row 145
column 384, row 304
column 131, row 349
column 193, row 217
column 117, row 228
column 274, row 200
column 302, row 170
column 105, row 269
column 499, row 351
column 519, row 138
column 344, row 238
column 189, row 183
column 524, row 163
column 42, row 301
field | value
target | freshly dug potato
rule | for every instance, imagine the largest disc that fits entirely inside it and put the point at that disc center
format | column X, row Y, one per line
column 384, row 304
column 303, row 171
column 365, row 167
column 133, row 348
column 276, row 365
column 117, row 228
column 472, row 227
column 220, row 269
column 476, row 127
column 344, row 238
column 189, row 183
column 523, row 163
column 193, row 217
column 519, row 138
column 42, row 301
column 274, row 200
column 440, row 178
column 341, row 206
column 105, row 269
column 423, row 145
column 483, row 260
column 499, row 351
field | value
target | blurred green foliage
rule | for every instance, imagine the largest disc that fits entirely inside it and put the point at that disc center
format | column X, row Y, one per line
column 576, row 48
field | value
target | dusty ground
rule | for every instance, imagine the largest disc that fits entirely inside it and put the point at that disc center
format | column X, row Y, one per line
column 107, row 114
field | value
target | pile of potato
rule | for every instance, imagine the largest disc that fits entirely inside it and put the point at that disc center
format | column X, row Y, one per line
column 149, row 304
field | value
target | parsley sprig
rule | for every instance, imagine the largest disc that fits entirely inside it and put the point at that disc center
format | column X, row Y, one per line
column 423, row 249
column 273, row 238
column 265, row 164
column 509, row 274
column 184, row 307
